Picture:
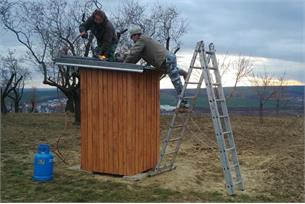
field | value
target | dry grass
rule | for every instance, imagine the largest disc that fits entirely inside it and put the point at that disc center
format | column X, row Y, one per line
column 271, row 157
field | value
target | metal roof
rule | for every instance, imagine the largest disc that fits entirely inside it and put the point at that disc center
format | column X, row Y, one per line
column 93, row 63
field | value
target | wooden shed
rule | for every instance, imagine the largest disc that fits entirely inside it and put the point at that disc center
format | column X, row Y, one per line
column 120, row 127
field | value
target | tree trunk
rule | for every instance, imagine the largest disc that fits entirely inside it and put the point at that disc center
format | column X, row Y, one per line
column 3, row 106
column 77, row 104
column 11, row 108
column 261, row 108
column 277, row 109
column 16, row 103
column 70, row 103
column 73, row 103
column 32, row 106
column 77, row 110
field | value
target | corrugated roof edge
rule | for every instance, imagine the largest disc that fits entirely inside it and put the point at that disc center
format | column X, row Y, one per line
column 92, row 63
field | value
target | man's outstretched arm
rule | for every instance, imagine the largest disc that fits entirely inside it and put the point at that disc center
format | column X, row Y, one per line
column 135, row 52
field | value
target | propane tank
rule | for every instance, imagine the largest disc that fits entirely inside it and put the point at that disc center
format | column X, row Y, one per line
column 43, row 164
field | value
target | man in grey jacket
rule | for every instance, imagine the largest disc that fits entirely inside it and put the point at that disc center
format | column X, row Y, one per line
column 156, row 55
column 103, row 31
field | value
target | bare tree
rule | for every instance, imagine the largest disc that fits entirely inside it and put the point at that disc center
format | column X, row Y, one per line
column 281, row 91
column 13, row 77
column 163, row 23
column 33, row 99
column 262, row 83
column 5, row 90
column 224, row 64
column 48, row 29
column 241, row 68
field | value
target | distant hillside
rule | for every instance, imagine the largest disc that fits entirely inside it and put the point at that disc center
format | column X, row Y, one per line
column 245, row 97
column 43, row 94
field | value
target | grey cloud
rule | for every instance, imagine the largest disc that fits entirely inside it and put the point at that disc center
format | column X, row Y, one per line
column 265, row 28
column 271, row 29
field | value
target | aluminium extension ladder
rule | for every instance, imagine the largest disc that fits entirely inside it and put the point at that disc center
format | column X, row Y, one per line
column 220, row 117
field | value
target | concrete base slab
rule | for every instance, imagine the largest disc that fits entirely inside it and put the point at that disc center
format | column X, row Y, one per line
column 137, row 177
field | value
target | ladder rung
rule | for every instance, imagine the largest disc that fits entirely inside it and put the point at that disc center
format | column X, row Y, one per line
column 177, row 126
column 175, row 139
column 212, row 68
column 223, row 116
column 210, row 52
column 189, row 97
column 191, row 82
column 172, row 152
column 194, row 67
column 216, row 84
column 238, row 182
column 234, row 165
column 220, row 100
column 227, row 132
column 230, row 149
column 172, row 140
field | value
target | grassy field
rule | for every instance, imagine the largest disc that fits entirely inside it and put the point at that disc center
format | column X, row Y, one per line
column 245, row 97
column 271, row 157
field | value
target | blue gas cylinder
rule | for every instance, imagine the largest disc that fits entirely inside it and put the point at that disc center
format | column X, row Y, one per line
column 43, row 164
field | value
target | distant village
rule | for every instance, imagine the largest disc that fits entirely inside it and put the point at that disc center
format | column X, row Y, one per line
column 50, row 101
column 49, row 106
column 58, row 105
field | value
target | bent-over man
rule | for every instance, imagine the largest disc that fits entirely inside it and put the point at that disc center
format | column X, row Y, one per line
column 155, row 54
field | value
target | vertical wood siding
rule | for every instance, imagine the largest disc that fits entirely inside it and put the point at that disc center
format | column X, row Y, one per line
column 119, row 121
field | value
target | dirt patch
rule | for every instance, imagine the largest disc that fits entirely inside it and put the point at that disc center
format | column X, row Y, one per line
column 271, row 156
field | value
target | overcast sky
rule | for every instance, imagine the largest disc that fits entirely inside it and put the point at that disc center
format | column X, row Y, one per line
column 270, row 31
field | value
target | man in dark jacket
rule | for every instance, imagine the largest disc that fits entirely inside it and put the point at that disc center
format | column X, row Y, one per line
column 155, row 54
column 103, row 31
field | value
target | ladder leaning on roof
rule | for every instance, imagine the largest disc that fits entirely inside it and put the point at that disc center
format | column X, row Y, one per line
column 220, row 117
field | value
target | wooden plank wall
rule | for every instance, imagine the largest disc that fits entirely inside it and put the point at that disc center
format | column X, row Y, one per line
column 120, row 121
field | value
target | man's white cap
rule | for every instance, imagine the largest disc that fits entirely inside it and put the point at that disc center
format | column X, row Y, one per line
column 134, row 31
